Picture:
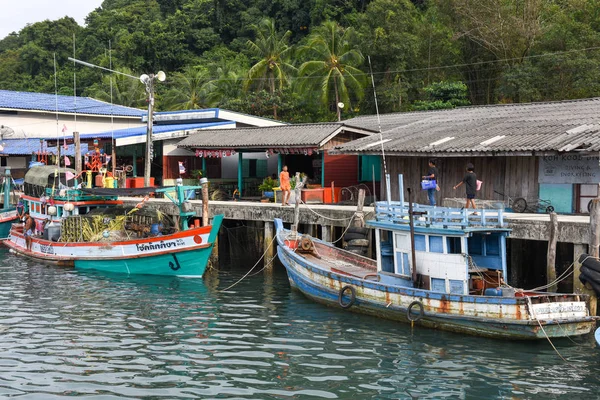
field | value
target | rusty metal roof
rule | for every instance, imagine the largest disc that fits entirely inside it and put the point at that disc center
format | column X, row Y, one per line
column 500, row 129
column 300, row 135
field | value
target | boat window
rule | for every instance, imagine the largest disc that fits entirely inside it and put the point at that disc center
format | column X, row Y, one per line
column 492, row 245
column 420, row 244
column 457, row 287
column 454, row 245
column 475, row 245
column 82, row 210
column 386, row 250
column 438, row 285
column 436, row 244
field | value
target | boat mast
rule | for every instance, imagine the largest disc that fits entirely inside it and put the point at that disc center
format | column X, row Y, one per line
column 411, row 221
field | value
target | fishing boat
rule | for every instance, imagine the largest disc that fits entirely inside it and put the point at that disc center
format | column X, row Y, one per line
column 8, row 212
column 88, row 228
column 436, row 267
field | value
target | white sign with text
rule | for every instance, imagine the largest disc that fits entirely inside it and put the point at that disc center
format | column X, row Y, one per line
column 569, row 168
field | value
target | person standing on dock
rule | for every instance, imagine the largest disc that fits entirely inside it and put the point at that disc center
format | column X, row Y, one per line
column 470, row 181
column 284, row 184
column 28, row 229
column 432, row 175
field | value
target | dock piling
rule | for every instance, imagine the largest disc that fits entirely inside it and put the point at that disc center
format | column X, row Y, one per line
column 551, row 255
column 269, row 246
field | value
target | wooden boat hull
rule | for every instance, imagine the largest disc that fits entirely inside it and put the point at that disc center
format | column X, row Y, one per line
column 7, row 218
column 490, row 316
column 182, row 254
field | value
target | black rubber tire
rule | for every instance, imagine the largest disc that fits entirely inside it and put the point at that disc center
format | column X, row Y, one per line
column 595, row 286
column 589, row 207
column 348, row 236
column 550, row 209
column 354, row 229
column 519, row 205
column 352, row 297
column 590, row 275
column 419, row 315
column 358, row 242
column 589, row 262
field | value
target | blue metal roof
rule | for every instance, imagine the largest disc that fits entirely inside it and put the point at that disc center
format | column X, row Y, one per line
column 19, row 147
column 66, row 104
column 141, row 130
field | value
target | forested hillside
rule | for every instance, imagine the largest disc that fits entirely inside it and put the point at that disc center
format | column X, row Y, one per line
column 297, row 59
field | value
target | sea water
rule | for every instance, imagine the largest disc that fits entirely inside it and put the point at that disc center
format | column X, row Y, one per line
column 65, row 333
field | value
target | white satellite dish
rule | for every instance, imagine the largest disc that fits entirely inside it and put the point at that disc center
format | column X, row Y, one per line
column 161, row 76
column 144, row 78
column 5, row 131
column 341, row 105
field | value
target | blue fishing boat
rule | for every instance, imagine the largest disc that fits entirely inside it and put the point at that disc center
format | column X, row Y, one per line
column 436, row 267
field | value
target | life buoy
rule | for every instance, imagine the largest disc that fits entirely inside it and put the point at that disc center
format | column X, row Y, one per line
column 352, row 297
column 419, row 315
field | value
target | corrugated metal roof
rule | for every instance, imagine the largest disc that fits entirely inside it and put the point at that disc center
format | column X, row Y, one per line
column 533, row 127
column 156, row 129
column 66, row 104
column 20, row 147
column 260, row 137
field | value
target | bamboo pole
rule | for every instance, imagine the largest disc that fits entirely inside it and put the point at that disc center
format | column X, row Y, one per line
column 551, row 255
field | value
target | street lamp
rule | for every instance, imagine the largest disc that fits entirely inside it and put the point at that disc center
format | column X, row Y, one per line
column 148, row 80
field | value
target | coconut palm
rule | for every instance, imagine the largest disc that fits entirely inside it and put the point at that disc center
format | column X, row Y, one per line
column 189, row 90
column 227, row 85
column 273, row 69
column 332, row 66
column 125, row 91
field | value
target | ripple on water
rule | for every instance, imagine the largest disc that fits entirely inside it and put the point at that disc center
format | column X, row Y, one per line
column 65, row 334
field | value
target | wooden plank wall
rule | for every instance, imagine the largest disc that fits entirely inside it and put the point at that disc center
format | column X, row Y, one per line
column 343, row 170
column 514, row 176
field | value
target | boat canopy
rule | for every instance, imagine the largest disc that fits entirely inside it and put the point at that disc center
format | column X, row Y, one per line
column 37, row 179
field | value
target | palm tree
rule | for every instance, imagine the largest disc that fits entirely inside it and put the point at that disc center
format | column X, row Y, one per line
column 272, row 50
column 227, row 85
column 332, row 66
column 125, row 91
column 189, row 90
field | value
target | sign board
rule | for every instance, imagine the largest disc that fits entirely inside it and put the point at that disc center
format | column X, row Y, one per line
column 569, row 168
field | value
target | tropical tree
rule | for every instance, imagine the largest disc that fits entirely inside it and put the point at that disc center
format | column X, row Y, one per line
column 227, row 85
column 273, row 68
column 332, row 66
column 125, row 90
column 189, row 90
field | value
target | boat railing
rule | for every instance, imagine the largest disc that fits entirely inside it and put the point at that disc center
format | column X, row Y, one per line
column 439, row 217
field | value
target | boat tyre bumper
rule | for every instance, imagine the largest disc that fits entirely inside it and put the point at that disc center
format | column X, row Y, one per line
column 415, row 317
column 352, row 300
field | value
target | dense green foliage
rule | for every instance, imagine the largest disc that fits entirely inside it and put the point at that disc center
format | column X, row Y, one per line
column 297, row 60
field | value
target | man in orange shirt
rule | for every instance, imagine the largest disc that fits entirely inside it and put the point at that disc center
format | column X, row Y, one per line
column 284, row 184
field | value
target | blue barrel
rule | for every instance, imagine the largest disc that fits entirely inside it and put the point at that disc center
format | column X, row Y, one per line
column 154, row 229
column 493, row 292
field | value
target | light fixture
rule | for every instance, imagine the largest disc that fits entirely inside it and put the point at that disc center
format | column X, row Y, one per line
column 161, row 76
column 341, row 105
column 144, row 78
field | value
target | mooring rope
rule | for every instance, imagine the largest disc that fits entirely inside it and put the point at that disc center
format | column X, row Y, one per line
column 323, row 216
column 543, row 330
column 254, row 266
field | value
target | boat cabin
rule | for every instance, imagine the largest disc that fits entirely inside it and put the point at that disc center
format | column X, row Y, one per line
column 456, row 251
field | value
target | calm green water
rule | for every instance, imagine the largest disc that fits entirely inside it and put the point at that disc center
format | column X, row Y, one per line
column 66, row 333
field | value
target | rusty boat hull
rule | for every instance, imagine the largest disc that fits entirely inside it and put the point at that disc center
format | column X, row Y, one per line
column 326, row 274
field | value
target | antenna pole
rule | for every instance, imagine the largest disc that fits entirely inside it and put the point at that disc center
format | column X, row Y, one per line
column 379, row 126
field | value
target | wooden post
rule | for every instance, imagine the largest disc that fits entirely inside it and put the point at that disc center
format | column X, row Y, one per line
column 77, row 152
column 269, row 246
column 359, row 220
column 205, row 204
column 578, row 287
column 411, row 221
column 297, row 205
column 594, row 228
column 326, row 233
column 551, row 255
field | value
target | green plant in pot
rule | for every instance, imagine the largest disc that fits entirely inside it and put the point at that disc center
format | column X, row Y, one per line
column 267, row 185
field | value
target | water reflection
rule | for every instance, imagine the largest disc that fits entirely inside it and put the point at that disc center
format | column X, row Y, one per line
column 66, row 333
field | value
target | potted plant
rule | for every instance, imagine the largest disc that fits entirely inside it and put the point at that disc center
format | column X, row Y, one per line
column 266, row 187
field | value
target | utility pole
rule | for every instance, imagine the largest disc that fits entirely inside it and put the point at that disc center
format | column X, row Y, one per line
column 149, row 145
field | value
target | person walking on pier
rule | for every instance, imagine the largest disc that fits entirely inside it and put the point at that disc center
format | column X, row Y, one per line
column 284, row 184
column 432, row 175
column 470, row 181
